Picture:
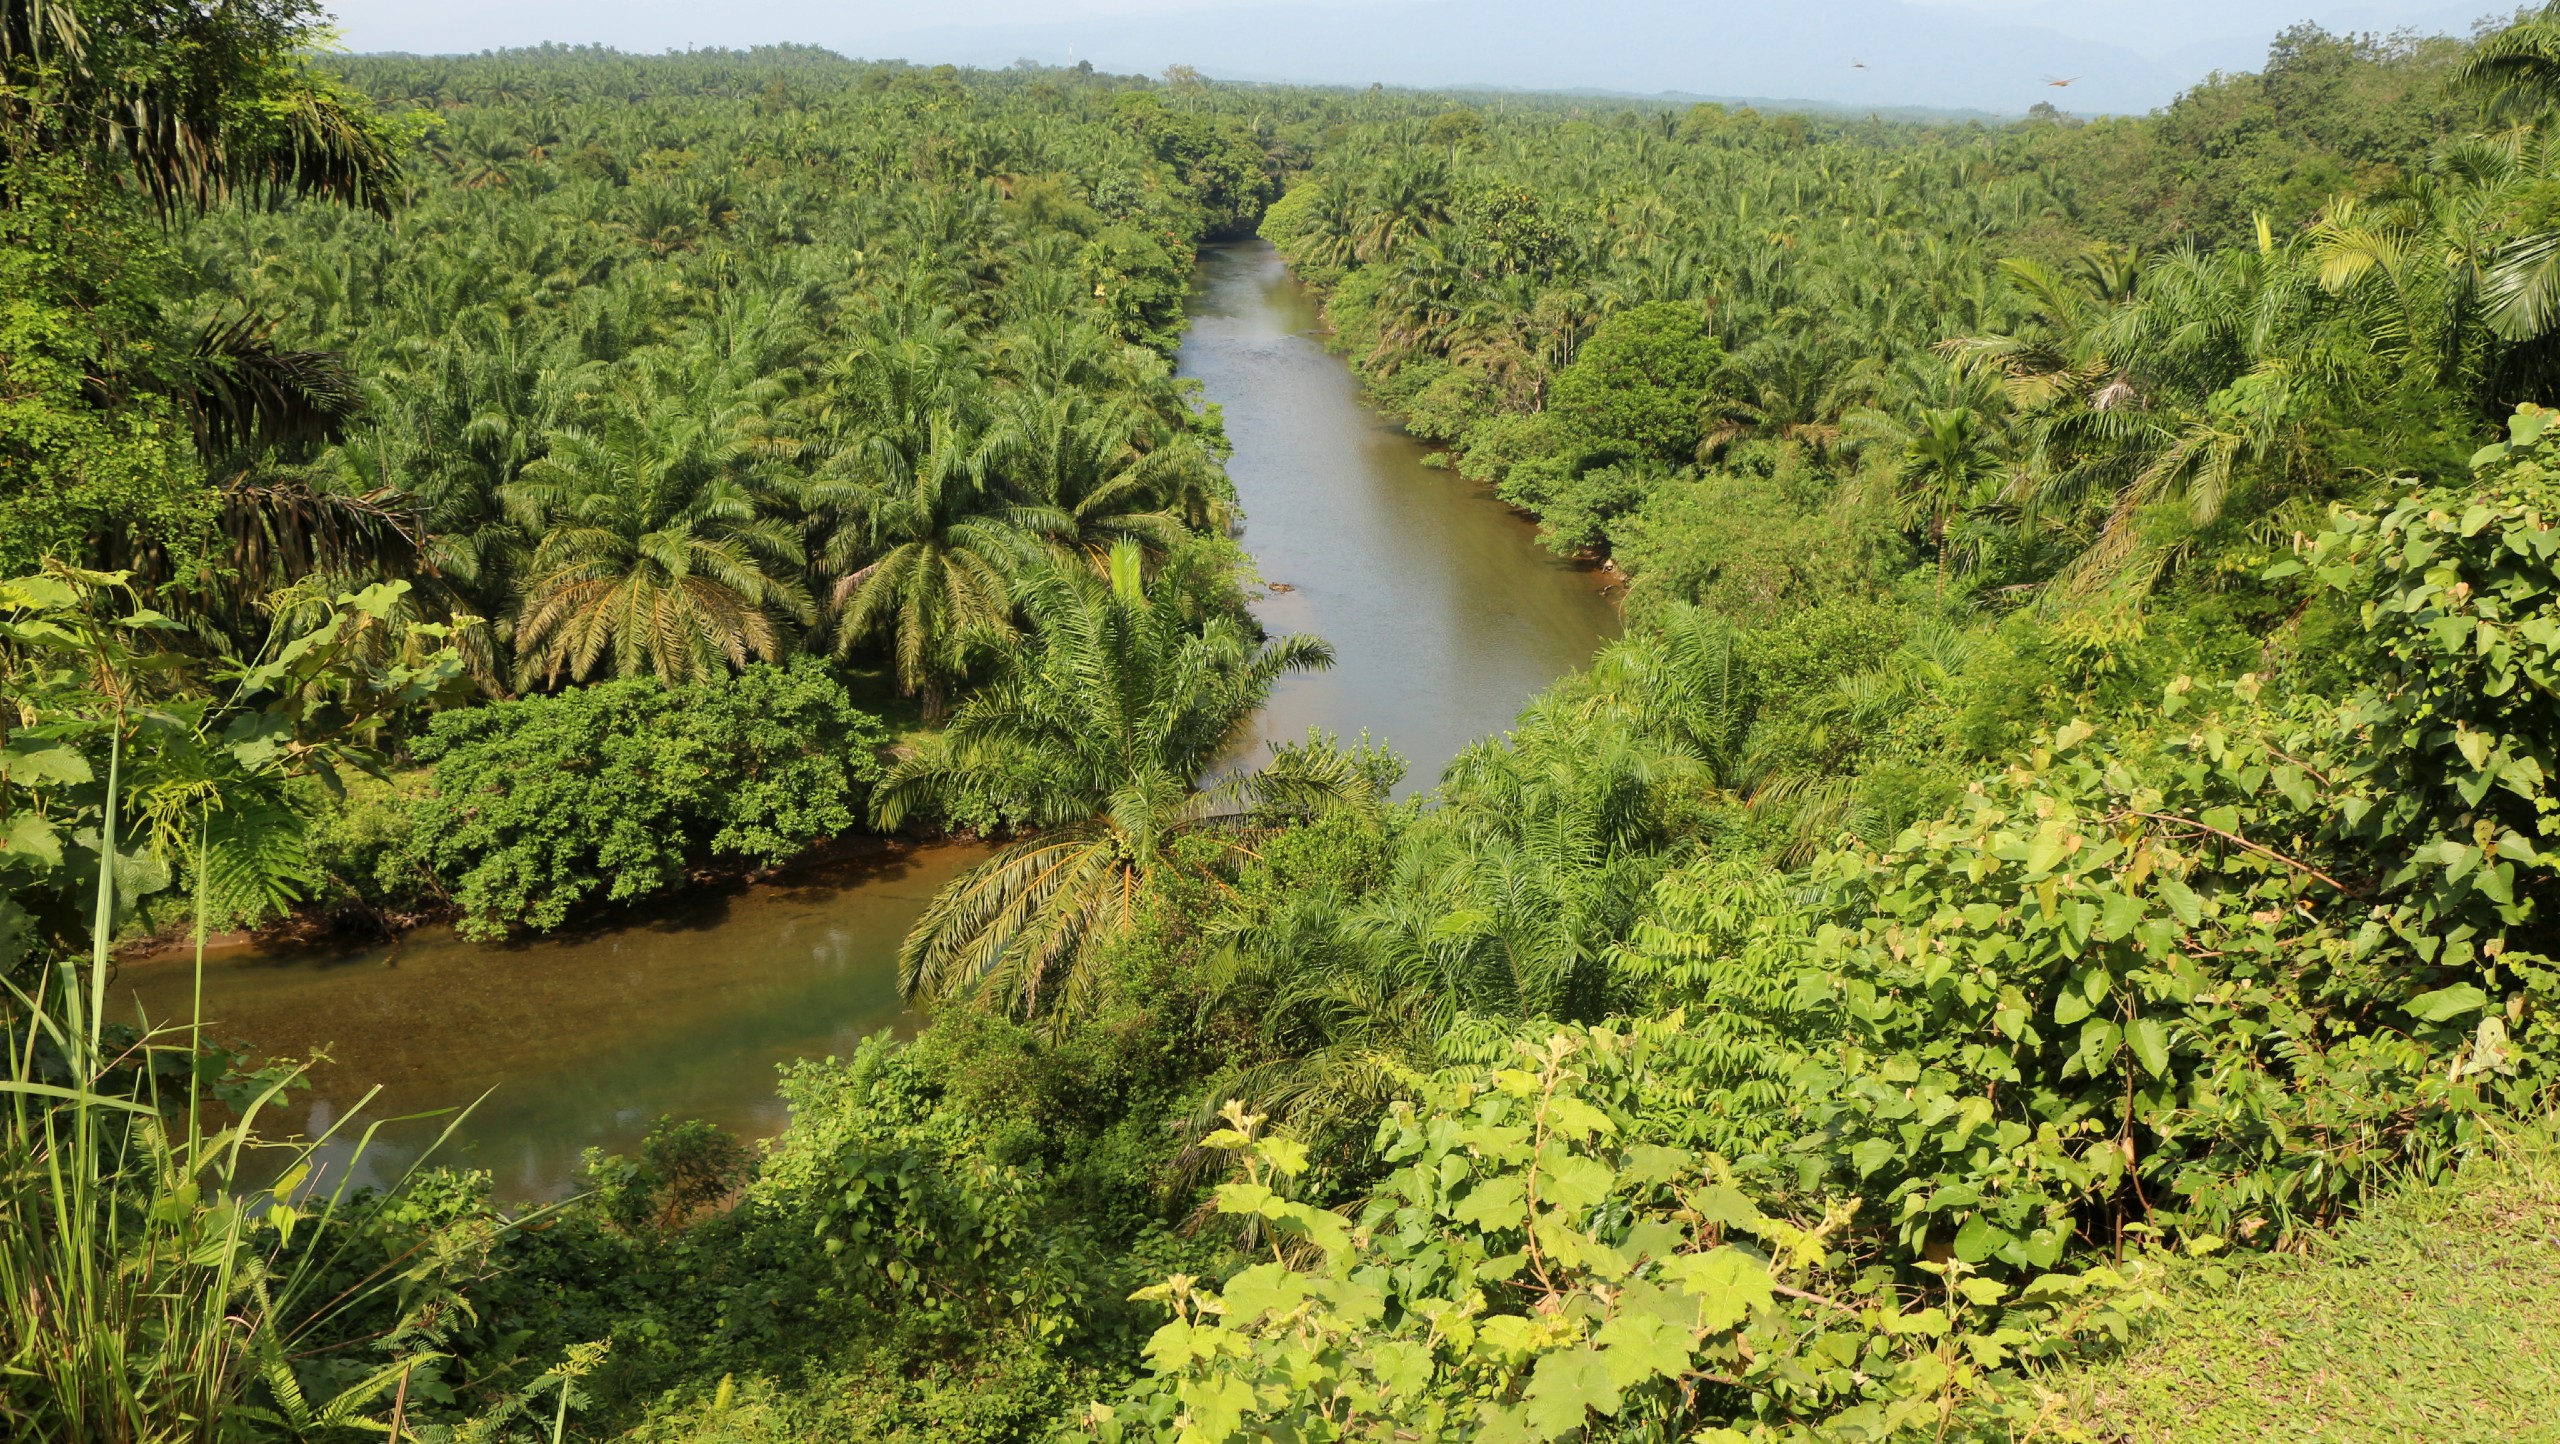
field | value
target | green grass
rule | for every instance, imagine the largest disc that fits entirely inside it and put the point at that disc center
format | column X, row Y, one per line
column 2435, row 1316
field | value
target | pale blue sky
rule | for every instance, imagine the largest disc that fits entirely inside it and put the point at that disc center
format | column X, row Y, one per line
column 1990, row 54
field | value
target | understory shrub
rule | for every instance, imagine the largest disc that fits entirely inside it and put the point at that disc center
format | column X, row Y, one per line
column 612, row 791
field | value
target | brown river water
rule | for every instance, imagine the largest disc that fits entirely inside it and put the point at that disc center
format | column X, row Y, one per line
column 1445, row 615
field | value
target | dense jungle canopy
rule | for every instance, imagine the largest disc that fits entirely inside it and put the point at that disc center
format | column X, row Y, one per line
column 2075, row 799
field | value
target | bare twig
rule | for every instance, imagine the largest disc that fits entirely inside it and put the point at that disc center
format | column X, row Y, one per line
column 2238, row 841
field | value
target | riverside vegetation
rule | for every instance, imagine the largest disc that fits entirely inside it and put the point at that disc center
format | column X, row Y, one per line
column 2074, row 804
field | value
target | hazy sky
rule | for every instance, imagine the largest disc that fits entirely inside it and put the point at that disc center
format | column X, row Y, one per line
column 1989, row 54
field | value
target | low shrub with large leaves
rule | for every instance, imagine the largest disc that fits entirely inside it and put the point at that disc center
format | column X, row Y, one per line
column 1541, row 1265
column 2213, row 975
column 2210, row 976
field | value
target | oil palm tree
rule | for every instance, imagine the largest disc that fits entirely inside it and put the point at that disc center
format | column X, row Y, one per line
column 197, row 103
column 649, row 546
column 1092, row 467
column 2517, row 70
column 924, row 553
column 1103, row 731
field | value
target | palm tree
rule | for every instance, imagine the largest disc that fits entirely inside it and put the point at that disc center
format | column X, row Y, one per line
column 197, row 103
column 2518, row 69
column 1091, row 467
column 650, row 546
column 942, row 553
column 1103, row 731
column 1946, row 470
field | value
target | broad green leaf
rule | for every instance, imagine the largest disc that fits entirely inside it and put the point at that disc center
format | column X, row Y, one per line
column 1493, row 1204
column 1638, row 1347
column 29, row 836
column 1217, row 1406
column 1654, row 1238
column 2182, row 899
column 1242, row 1197
column 1264, row 1288
column 1176, row 1346
column 1729, row 1284
column 1870, row 1155
column 2119, row 914
column 1728, row 1207
column 1979, row 1239
column 1572, row 1119
column 2150, row 1042
column 1575, row 1182
column 1932, row 1322
column 1402, row 1367
column 1563, row 1390
column 2049, row 846
column 42, row 764
column 2446, row 1004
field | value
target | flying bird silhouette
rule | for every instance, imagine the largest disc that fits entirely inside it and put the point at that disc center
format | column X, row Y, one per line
column 1857, row 65
column 2058, row 84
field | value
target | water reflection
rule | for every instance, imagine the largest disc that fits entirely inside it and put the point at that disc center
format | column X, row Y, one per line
column 684, row 1011
column 1443, row 611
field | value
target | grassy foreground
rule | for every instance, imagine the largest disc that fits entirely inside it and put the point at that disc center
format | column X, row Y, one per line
column 2435, row 1317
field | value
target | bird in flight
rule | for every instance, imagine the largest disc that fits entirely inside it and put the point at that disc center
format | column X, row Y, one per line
column 2059, row 84
column 1857, row 65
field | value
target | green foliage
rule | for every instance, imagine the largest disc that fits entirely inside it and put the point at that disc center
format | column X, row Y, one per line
column 79, row 277
column 1640, row 385
column 662, row 373
column 163, row 1270
column 2327, row 113
column 611, row 792
column 110, row 111
column 193, row 106
column 2027, row 824
column 201, row 753
column 1215, row 156
column 1101, row 737
column 1736, row 544
column 1539, row 1265
column 683, row 1169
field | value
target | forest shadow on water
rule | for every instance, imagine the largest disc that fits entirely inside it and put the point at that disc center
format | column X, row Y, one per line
column 684, row 1007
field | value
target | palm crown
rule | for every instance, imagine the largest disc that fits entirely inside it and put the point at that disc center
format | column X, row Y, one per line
column 1104, row 731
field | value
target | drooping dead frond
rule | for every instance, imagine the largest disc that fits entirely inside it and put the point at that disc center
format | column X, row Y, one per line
column 245, row 393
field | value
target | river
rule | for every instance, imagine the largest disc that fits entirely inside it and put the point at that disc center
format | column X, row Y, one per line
column 1445, row 616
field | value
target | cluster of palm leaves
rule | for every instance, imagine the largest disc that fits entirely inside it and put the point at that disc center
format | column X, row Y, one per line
column 1106, row 732
column 669, row 390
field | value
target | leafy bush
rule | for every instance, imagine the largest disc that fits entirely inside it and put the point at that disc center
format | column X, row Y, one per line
column 1541, row 1263
column 2205, row 975
column 359, row 838
column 683, row 1169
column 543, row 803
column 1637, row 387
